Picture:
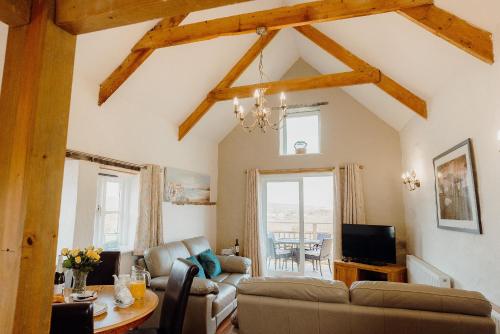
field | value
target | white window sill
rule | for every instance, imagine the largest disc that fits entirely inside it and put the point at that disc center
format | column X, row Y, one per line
column 300, row 155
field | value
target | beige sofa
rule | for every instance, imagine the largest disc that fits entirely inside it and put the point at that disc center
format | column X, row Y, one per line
column 211, row 300
column 313, row 306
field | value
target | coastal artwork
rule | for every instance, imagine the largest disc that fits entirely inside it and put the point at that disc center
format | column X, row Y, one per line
column 456, row 195
column 186, row 187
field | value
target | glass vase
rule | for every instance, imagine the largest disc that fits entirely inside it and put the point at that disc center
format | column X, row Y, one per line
column 79, row 281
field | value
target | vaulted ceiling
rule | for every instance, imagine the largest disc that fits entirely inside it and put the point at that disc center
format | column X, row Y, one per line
column 174, row 80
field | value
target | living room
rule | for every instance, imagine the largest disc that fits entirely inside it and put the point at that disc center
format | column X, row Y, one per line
column 270, row 150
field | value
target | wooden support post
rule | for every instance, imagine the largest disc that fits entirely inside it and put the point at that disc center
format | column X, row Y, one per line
column 34, row 109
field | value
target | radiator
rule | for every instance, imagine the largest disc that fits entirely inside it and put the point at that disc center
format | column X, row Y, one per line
column 496, row 318
column 420, row 272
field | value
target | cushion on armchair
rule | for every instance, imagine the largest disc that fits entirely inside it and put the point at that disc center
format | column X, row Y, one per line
column 210, row 263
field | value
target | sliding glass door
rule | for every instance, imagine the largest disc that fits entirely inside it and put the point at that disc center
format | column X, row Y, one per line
column 297, row 223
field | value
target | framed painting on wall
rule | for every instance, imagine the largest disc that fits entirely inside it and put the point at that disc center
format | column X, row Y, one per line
column 456, row 193
column 186, row 187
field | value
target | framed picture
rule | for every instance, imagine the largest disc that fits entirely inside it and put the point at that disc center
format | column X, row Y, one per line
column 456, row 192
column 186, row 187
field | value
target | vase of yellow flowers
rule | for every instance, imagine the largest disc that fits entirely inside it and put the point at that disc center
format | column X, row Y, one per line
column 81, row 262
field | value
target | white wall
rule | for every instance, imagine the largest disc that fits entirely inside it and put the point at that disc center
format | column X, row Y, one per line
column 67, row 216
column 350, row 133
column 467, row 107
column 128, row 132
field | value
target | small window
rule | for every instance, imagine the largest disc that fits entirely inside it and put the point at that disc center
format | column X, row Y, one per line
column 116, row 216
column 300, row 133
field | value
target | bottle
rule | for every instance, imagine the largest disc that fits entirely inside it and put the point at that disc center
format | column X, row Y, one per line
column 237, row 248
column 59, row 277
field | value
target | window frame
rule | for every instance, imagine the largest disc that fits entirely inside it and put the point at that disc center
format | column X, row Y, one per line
column 101, row 212
column 297, row 113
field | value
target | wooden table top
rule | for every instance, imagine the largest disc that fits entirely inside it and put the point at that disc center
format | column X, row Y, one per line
column 118, row 320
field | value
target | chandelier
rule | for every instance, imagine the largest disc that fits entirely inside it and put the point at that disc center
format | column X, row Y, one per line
column 261, row 114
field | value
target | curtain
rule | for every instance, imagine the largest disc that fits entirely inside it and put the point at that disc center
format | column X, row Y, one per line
column 149, row 231
column 251, row 238
column 353, row 202
column 337, row 220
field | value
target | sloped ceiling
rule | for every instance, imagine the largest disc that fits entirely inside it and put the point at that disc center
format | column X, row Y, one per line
column 173, row 81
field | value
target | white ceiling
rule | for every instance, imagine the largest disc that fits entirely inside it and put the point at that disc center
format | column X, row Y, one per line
column 174, row 80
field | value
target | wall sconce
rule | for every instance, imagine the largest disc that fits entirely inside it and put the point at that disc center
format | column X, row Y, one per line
column 411, row 181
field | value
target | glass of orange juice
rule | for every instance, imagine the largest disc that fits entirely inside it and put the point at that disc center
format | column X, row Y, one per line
column 137, row 288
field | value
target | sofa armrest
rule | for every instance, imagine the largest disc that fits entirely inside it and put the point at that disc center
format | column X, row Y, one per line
column 203, row 286
column 235, row 264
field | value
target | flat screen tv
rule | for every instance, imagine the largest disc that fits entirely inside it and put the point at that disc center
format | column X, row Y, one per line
column 375, row 244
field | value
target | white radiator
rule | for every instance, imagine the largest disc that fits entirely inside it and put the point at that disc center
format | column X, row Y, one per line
column 420, row 272
column 496, row 318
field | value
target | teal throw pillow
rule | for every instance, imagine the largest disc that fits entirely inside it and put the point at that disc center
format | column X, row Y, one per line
column 201, row 272
column 210, row 263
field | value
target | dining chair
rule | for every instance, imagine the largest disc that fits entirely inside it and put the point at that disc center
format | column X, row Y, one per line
column 74, row 318
column 103, row 273
column 323, row 253
column 175, row 299
column 277, row 254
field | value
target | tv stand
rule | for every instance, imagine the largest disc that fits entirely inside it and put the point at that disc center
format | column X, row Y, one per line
column 349, row 272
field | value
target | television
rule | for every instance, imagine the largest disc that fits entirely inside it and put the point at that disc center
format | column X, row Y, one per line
column 373, row 244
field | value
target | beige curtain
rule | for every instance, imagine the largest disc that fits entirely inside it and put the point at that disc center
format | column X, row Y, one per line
column 251, row 239
column 353, row 202
column 149, row 231
column 337, row 223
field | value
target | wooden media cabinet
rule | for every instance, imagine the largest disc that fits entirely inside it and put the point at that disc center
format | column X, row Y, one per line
column 349, row 272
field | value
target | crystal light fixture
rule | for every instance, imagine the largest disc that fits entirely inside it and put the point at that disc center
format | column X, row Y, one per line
column 261, row 112
column 411, row 181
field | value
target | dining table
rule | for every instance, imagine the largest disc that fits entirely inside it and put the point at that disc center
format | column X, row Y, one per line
column 119, row 320
column 296, row 241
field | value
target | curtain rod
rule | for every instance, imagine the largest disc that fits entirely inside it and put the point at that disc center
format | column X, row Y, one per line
column 300, row 170
column 102, row 160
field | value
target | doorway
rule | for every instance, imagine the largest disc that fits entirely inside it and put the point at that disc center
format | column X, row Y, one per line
column 297, row 217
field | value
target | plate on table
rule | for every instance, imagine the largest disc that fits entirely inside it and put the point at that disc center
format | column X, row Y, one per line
column 86, row 296
column 100, row 308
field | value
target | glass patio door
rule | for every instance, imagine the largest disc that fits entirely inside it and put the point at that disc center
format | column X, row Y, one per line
column 283, row 225
column 296, row 217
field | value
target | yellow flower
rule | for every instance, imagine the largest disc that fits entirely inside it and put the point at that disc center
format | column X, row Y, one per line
column 74, row 252
column 64, row 251
column 99, row 250
column 78, row 259
column 90, row 247
column 97, row 257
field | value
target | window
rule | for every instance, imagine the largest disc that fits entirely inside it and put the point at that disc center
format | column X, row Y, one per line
column 301, row 127
column 116, row 216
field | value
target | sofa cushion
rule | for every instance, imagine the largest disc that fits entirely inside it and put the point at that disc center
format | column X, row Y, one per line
column 235, row 264
column 210, row 263
column 201, row 272
column 419, row 297
column 220, row 278
column 200, row 286
column 297, row 288
column 227, row 294
column 160, row 260
column 196, row 245
column 235, row 279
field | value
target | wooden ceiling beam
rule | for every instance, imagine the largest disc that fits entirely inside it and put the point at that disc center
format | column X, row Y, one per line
column 83, row 16
column 15, row 13
column 277, row 18
column 226, row 82
column 135, row 59
column 320, row 81
column 462, row 34
column 387, row 84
